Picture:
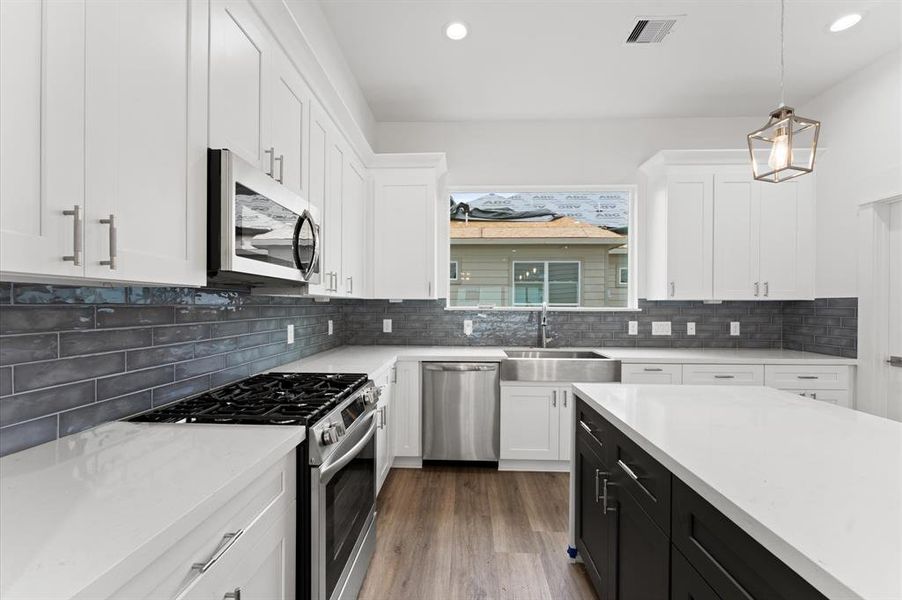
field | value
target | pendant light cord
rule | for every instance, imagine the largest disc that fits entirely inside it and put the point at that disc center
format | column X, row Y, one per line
column 782, row 66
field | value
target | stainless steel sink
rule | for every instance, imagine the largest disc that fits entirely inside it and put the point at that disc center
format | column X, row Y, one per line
column 553, row 365
column 545, row 353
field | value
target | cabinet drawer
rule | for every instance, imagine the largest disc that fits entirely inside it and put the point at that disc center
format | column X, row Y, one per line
column 837, row 397
column 685, row 582
column 590, row 424
column 733, row 564
column 723, row 374
column 801, row 377
column 651, row 373
column 171, row 572
column 648, row 481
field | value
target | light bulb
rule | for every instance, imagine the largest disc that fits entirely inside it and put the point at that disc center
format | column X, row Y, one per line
column 780, row 153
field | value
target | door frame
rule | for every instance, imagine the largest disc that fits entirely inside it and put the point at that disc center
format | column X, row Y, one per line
column 872, row 394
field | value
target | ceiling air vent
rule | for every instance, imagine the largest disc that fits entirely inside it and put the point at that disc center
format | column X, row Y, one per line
column 651, row 30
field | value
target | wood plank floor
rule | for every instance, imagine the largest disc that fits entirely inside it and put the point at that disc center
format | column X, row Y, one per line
column 465, row 532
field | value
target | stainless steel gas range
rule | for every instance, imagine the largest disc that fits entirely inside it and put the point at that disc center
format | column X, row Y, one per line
column 336, row 465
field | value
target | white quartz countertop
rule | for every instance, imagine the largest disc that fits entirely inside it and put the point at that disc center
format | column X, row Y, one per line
column 820, row 486
column 106, row 501
column 373, row 359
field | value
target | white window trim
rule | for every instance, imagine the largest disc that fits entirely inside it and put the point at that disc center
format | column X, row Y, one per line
column 635, row 239
column 579, row 282
column 620, row 278
column 456, row 270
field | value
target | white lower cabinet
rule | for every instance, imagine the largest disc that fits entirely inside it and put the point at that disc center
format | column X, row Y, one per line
column 536, row 427
column 651, row 373
column 723, row 374
column 406, row 420
column 384, row 451
column 248, row 544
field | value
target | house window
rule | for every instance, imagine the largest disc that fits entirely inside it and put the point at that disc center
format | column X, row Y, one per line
column 556, row 283
column 569, row 248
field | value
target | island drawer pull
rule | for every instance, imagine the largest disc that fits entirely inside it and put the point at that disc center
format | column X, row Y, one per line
column 227, row 541
column 724, row 377
column 586, row 427
column 808, row 377
column 627, row 470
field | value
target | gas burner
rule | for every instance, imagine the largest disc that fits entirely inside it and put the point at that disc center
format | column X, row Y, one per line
column 267, row 399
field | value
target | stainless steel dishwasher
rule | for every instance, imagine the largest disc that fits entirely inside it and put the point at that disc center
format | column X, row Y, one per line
column 461, row 411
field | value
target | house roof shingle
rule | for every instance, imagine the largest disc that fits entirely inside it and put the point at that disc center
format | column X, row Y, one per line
column 564, row 227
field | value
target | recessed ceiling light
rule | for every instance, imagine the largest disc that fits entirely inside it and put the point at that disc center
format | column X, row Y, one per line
column 456, row 31
column 844, row 22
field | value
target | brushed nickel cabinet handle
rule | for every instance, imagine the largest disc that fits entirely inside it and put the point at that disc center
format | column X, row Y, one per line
column 597, row 473
column 724, row 377
column 894, row 361
column 350, row 285
column 224, row 545
column 757, row 286
column 272, row 160
column 766, row 288
column 652, row 369
column 281, row 159
column 113, row 253
column 585, row 427
column 808, row 377
column 565, row 398
column 672, row 289
column 77, row 241
column 233, row 595
column 554, row 398
column 605, row 509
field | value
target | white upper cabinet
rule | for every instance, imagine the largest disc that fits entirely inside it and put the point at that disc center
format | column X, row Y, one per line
column 289, row 128
column 41, row 137
column 106, row 102
column 736, row 202
column 240, row 71
column 331, row 219
column 716, row 233
column 145, row 144
column 318, row 160
column 404, row 233
column 353, row 230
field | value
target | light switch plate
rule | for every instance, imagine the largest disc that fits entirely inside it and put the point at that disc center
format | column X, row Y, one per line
column 331, row 329
column 468, row 326
column 386, row 325
column 633, row 328
column 734, row 327
column 690, row 328
column 290, row 329
column 660, row 327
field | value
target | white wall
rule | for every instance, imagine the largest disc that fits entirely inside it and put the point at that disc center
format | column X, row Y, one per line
column 558, row 152
column 861, row 133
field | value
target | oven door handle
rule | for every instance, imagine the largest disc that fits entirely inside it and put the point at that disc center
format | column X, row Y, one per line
column 329, row 469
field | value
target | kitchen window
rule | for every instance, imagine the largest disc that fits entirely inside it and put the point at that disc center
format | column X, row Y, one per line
column 515, row 250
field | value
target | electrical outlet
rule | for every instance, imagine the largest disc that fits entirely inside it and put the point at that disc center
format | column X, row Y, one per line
column 660, row 327
column 690, row 328
column 468, row 326
column 734, row 327
column 331, row 329
column 633, row 328
column 290, row 329
column 386, row 325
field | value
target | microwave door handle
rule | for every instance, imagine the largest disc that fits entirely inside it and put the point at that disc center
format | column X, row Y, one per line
column 330, row 468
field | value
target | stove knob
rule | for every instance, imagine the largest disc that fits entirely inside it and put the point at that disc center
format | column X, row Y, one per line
column 329, row 435
column 372, row 395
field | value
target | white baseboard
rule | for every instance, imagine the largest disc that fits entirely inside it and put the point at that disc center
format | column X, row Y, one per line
column 556, row 466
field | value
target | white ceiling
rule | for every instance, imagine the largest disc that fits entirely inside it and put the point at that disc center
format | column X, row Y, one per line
column 558, row 59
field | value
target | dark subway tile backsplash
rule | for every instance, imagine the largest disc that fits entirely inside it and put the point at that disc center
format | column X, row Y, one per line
column 74, row 357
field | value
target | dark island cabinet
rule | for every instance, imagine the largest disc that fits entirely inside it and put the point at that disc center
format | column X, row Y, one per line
column 643, row 534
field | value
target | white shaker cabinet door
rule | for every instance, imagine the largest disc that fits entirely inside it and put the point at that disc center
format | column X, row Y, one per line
column 689, row 240
column 406, row 424
column 290, row 122
column 240, row 57
column 530, row 423
column 786, row 240
column 332, row 216
column 735, row 253
column 145, row 140
column 41, row 136
column 318, row 159
column 353, row 232
column 565, row 409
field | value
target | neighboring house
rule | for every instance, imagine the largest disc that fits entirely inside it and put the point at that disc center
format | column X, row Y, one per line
column 511, row 263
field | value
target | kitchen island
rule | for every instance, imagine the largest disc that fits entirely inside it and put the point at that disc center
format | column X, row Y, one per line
column 817, row 488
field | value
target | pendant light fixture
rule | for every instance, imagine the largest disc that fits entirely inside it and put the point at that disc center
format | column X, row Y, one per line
column 785, row 147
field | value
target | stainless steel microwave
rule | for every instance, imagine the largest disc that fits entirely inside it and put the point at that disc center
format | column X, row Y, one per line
column 259, row 231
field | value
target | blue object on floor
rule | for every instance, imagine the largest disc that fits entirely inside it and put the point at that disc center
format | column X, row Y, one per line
column 571, row 551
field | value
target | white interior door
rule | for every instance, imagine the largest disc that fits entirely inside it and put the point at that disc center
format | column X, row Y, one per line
column 893, row 368
column 41, row 135
column 735, row 253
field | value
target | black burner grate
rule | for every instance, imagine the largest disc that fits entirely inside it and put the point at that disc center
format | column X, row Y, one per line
column 268, row 399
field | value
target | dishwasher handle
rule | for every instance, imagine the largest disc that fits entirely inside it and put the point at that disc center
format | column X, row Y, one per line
column 461, row 367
